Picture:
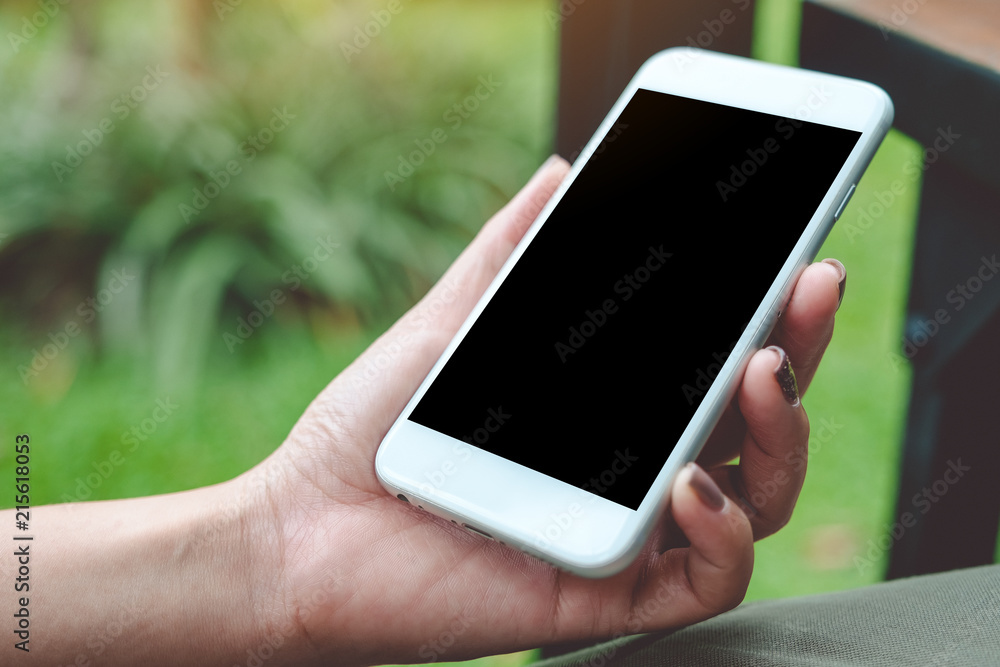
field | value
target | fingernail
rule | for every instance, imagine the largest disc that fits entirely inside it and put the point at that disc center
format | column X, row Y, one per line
column 705, row 488
column 786, row 377
column 842, row 283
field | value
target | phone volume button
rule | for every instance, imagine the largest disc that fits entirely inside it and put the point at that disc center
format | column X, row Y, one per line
column 478, row 531
column 843, row 204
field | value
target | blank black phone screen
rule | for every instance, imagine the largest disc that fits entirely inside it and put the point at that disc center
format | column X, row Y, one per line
column 595, row 352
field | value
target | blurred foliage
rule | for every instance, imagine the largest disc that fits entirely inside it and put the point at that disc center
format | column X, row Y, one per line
column 123, row 117
column 323, row 177
column 118, row 114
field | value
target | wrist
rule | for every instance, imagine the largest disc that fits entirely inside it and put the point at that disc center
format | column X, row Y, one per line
column 198, row 583
column 225, row 542
column 273, row 631
column 162, row 580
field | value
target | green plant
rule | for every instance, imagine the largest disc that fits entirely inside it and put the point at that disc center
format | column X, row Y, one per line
column 219, row 156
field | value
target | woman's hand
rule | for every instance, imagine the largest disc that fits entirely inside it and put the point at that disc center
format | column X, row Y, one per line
column 306, row 559
column 345, row 573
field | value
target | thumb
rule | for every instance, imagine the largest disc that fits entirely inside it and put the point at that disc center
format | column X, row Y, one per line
column 357, row 408
column 720, row 558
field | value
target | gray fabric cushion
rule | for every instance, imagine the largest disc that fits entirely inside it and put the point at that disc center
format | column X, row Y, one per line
column 941, row 619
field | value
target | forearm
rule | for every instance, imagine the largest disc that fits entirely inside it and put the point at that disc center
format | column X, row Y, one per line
column 151, row 581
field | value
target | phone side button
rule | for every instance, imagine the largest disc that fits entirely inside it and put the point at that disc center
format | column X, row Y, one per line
column 477, row 531
column 843, row 204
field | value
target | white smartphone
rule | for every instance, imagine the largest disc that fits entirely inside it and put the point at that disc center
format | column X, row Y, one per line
column 601, row 357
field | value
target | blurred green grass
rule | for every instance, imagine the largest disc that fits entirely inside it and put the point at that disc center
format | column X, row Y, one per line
column 236, row 408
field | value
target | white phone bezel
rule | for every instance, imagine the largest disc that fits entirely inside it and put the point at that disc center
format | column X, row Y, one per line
column 567, row 526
